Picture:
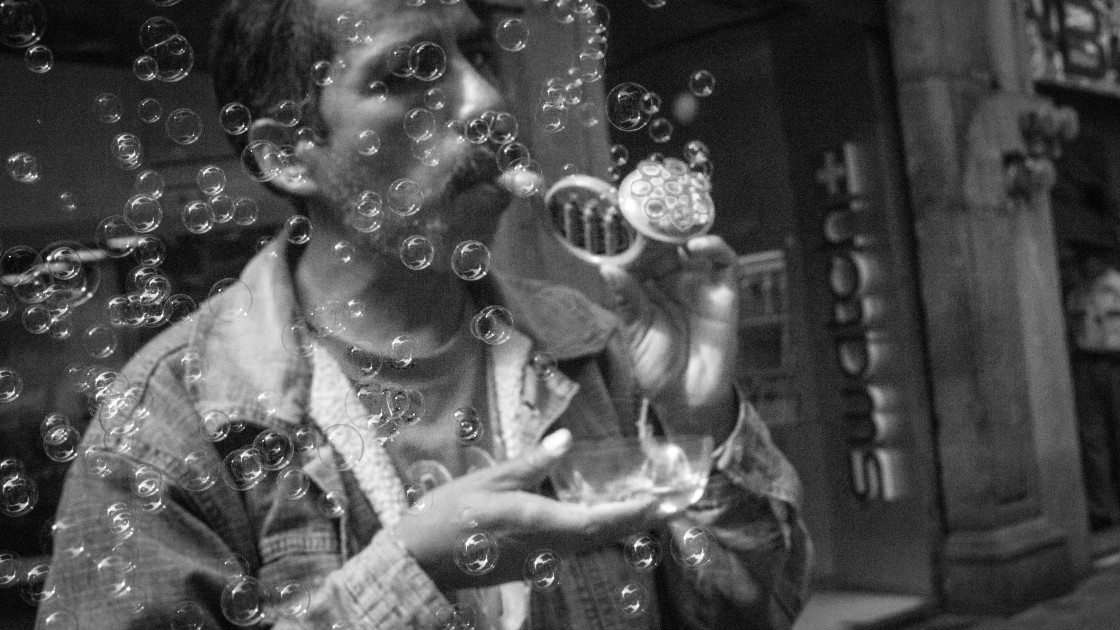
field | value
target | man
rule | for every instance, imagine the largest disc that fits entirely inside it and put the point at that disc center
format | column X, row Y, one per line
column 381, row 467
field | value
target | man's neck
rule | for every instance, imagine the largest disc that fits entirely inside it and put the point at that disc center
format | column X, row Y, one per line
column 427, row 305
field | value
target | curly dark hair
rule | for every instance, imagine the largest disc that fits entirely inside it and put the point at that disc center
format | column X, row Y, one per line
column 263, row 53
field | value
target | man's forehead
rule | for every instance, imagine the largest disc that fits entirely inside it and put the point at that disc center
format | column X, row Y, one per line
column 404, row 11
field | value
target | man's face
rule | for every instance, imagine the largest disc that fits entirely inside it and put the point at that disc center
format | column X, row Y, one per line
column 367, row 103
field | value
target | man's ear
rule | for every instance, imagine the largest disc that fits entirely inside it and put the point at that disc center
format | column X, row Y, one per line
column 293, row 176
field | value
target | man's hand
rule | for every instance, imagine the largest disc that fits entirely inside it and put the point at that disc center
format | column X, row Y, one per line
column 680, row 317
column 499, row 501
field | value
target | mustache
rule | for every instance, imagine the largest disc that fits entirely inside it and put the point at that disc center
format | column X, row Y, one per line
column 480, row 165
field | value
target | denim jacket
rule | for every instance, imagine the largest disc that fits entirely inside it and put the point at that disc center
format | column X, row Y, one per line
column 135, row 548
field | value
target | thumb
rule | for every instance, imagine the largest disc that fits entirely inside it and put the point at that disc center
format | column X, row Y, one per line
column 529, row 469
column 631, row 303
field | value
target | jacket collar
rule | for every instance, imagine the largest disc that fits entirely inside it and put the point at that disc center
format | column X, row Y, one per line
column 259, row 350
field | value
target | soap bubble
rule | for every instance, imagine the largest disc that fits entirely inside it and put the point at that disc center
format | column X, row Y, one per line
column 696, row 152
column 293, row 483
column 660, row 130
column 234, row 566
column 11, row 385
column 245, row 211
column 377, row 90
column 512, row 34
column 369, row 143
column 476, row 553
column 150, row 251
column 201, row 472
column 39, row 59
column 230, row 299
column 402, row 352
column 211, row 180
column 9, row 568
column 183, row 126
column 523, row 178
column 150, row 184
column 107, row 107
column 469, row 427
column 291, row 600
column 630, row 599
column 67, row 202
column 625, row 109
column 127, row 150
column 235, row 118
column 592, row 64
column 332, row 505
column 188, row 615
column 321, row 73
column 694, row 547
column 22, row 22
column 435, row 99
column 18, row 495
column 510, row 153
column 61, row 443
column 298, row 228
column 542, row 570
column 470, row 260
column 37, row 588
column 276, row 449
column 145, row 68
column 155, row 30
column 198, row 217
column 242, row 469
column 178, row 307
column 544, row 364
column 149, row 110
column 243, row 601
column 344, row 252
column 417, row 252
column 452, row 616
column 343, row 434
column 701, row 83
column 428, row 61
column 100, row 341
column 261, row 160
column 417, row 498
column 493, row 325
column 642, row 552
column 37, row 319
column 214, row 425
column 143, row 213
column 551, row 117
column 287, row 113
column 149, row 489
column 174, row 58
column 23, row 167
column 419, row 124
column 60, row 620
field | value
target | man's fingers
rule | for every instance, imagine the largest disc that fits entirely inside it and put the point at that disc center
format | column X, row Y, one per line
column 629, row 300
column 527, row 470
column 603, row 522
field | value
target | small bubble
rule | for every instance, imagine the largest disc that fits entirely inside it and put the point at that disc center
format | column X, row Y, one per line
column 492, row 325
column 145, row 68
column 402, row 352
column 332, row 505
column 223, row 207
column 419, row 124
column 630, row 599
column 242, row 469
column 11, row 385
column 293, row 483
column 230, row 299
column 625, row 109
column 201, row 472
column 298, row 228
column 183, row 126
column 544, row 364
column 660, row 130
column 149, row 184
column 24, row 22
column 418, row 498
column 469, row 427
column 343, row 252
column 143, row 213
column 417, row 252
column 235, row 118
column 435, row 99
column 211, row 180
column 107, row 107
column 261, row 160
column 18, row 495
column 188, row 615
column 287, row 113
column 100, row 341
column 542, row 570
column 321, row 73
column 694, row 547
column 343, row 434
column 512, row 34
column 470, row 260
column 149, row 110
column 476, row 553
column 127, row 150
column 642, row 552
column 452, row 616
column 428, row 61
column 243, row 601
column 245, row 211
column 23, row 167
column 39, row 59
column 620, row 155
column 378, row 90
column 198, row 217
column 701, row 83
column 276, row 449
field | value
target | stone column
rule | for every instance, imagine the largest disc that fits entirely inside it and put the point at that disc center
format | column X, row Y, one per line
column 988, row 274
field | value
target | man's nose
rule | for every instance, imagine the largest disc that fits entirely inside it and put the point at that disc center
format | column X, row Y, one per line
column 477, row 92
